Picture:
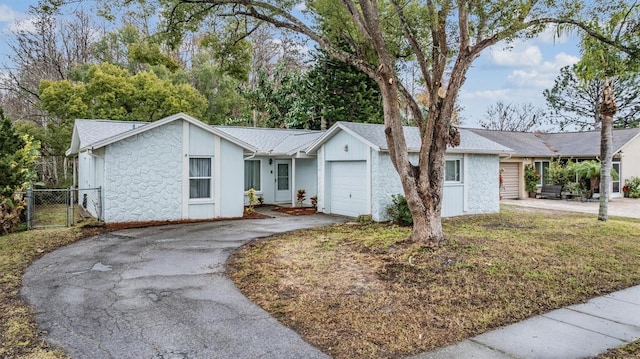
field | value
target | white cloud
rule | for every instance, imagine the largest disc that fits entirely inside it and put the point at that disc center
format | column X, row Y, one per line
column 28, row 25
column 301, row 6
column 7, row 14
column 543, row 75
column 518, row 54
column 485, row 95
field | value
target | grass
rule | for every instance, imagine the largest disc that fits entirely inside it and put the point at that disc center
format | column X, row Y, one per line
column 19, row 337
column 630, row 351
column 47, row 215
column 363, row 291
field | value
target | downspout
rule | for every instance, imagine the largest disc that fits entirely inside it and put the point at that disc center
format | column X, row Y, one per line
column 252, row 156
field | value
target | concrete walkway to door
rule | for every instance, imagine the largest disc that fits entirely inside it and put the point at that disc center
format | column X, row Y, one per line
column 621, row 207
column 160, row 292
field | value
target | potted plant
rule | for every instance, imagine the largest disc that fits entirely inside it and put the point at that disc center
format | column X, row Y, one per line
column 531, row 180
column 626, row 190
column 301, row 196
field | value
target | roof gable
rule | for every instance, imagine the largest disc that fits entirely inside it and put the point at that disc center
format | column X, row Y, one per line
column 94, row 134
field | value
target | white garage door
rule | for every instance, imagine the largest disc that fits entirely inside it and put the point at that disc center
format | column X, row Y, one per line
column 348, row 189
column 511, row 180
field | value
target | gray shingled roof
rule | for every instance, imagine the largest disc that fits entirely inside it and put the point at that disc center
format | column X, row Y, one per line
column 92, row 131
column 525, row 144
column 565, row 144
column 469, row 141
column 585, row 144
column 273, row 140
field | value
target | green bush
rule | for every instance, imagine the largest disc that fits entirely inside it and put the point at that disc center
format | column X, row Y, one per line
column 531, row 178
column 398, row 210
column 633, row 186
column 561, row 174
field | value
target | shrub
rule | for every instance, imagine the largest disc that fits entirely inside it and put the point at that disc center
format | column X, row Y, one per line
column 301, row 195
column 253, row 200
column 633, row 185
column 531, row 178
column 398, row 210
column 10, row 210
column 561, row 174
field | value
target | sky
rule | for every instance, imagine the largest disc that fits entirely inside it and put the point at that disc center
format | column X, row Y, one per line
column 515, row 73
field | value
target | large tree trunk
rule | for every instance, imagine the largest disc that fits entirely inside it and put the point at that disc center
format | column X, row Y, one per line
column 422, row 183
column 607, row 109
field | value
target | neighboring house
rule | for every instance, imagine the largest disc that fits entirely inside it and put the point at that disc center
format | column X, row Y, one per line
column 180, row 168
column 538, row 149
column 356, row 176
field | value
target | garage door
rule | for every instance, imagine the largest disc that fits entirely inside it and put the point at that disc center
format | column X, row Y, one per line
column 348, row 189
column 511, row 180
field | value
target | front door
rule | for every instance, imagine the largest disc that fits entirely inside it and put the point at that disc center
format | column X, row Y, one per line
column 616, row 188
column 283, row 181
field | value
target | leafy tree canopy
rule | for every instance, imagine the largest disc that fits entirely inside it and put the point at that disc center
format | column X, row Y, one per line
column 110, row 92
column 17, row 156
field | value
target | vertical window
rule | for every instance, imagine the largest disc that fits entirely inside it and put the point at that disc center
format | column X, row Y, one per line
column 542, row 168
column 252, row 175
column 452, row 171
column 199, row 177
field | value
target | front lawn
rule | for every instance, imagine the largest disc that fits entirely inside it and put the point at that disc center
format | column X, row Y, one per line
column 363, row 291
column 18, row 333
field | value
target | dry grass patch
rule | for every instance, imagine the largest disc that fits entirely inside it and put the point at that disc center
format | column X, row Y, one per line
column 630, row 351
column 363, row 291
column 18, row 333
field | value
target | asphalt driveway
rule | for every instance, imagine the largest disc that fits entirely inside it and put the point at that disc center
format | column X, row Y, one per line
column 160, row 292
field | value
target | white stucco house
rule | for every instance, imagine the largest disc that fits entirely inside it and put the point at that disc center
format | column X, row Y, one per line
column 181, row 168
column 356, row 176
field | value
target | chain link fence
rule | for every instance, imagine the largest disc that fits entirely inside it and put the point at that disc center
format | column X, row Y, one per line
column 47, row 208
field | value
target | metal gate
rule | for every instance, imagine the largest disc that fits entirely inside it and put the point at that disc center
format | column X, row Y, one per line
column 48, row 208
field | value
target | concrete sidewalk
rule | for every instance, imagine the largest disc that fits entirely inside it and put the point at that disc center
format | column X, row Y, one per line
column 620, row 207
column 579, row 331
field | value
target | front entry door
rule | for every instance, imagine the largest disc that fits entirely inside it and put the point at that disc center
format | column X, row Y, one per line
column 283, row 181
column 615, row 184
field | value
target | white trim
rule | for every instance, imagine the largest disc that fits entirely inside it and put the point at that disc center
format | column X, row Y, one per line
column 332, row 131
column 185, row 170
column 294, row 191
column 465, row 183
column 178, row 116
column 217, row 175
column 322, row 182
column 368, row 179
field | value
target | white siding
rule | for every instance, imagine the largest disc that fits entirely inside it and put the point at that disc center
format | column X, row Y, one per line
column 452, row 200
column 202, row 144
column 230, row 190
column 630, row 160
column 335, row 148
column 90, row 175
column 143, row 176
column 306, row 177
